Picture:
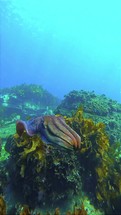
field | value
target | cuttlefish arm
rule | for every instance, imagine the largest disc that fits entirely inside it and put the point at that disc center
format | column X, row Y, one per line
column 52, row 129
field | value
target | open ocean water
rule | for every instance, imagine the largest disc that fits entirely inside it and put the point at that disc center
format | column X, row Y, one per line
column 60, row 107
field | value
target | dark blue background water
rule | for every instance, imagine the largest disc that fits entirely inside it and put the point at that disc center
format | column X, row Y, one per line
column 62, row 45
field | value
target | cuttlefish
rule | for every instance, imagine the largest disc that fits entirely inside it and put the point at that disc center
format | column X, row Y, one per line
column 51, row 129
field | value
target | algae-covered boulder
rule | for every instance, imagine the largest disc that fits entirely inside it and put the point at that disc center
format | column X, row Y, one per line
column 97, row 107
column 25, row 101
column 50, row 176
column 47, row 176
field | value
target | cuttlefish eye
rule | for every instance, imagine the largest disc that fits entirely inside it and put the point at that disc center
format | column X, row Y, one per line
column 20, row 127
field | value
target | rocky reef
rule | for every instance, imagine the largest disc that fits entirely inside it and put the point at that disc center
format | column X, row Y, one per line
column 97, row 107
column 40, row 178
column 25, row 101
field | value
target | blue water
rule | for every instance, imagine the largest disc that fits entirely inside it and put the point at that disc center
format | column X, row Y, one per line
column 62, row 45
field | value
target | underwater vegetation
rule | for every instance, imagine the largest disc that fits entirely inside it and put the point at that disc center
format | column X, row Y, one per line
column 101, row 160
column 97, row 107
column 51, row 179
column 25, row 210
column 2, row 206
column 25, row 101
column 46, row 175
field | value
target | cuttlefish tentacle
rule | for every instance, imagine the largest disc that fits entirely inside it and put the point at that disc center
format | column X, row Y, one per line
column 69, row 131
column 62, row 127
column 54, row 130
column 77, row 137
column 52, row 139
